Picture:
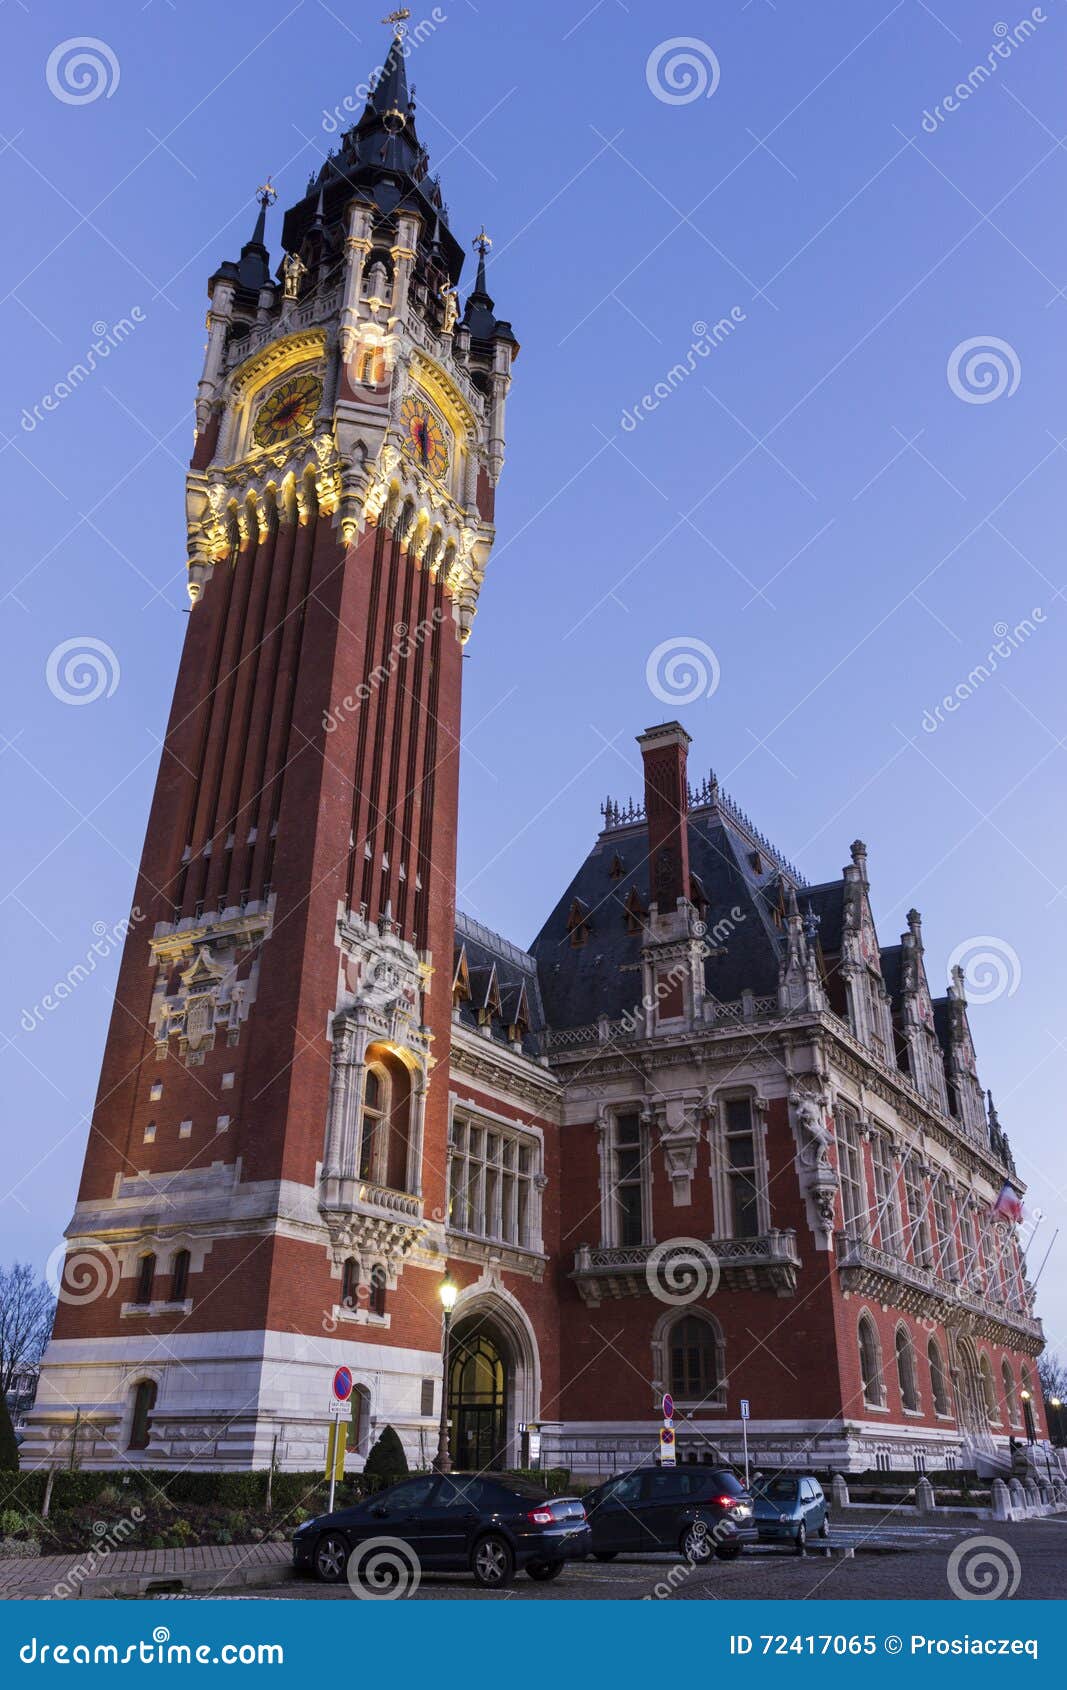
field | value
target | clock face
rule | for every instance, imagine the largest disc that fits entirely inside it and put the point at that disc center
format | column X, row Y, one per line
column 424, row 436
column 290, row 409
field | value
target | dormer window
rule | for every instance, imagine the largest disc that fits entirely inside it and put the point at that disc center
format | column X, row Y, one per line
column 635, row 911
column 578, row 923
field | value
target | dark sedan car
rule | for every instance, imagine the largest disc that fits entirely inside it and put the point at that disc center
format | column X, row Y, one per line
column 483, row 1524
column 700, row 1511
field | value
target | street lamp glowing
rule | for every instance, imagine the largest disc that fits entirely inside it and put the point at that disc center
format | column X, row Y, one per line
column 1025, row 1395
column 448, row 1294
column 1054, row 1402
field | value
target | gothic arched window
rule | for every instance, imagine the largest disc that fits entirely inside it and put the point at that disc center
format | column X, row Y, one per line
column 938, row 1379
column 350, row 1283
column 909, row 1389
column 146, row 1273
column 1011, row 1401
column 376, row 1299
column 696, row 1360
column 871, row 1363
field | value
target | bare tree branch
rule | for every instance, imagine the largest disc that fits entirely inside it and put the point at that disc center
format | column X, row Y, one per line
column 27, row 1309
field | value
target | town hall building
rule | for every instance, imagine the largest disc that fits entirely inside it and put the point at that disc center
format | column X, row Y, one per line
column 709, row 1134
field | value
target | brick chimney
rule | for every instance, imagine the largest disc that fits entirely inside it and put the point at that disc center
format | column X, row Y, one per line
column 665, row 750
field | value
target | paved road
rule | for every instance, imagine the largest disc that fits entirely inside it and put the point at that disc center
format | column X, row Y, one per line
column 915, row 1564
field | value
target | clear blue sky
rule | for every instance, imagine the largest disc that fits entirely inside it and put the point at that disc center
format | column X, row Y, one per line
column 816, row 503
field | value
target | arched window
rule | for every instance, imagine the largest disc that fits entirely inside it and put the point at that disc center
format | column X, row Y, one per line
column 938, row 1380
column 146, row 1273
column 350, row 1283
column 1011, row 1401
column 376, row 1300
column 375, row 1122
column 144, row 1401
column 871, row 1363
column 989, row 1395
column 179, row 1277
column 909, row 1389
column 695, row 1360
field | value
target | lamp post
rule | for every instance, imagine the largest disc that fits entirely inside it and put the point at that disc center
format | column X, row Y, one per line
column 448, row 1294
column 1055, row 1426
column 1028, row 1417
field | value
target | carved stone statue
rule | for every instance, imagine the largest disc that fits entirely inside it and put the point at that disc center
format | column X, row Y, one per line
column 451, row 309
column 812, row 1123
column 293, row 272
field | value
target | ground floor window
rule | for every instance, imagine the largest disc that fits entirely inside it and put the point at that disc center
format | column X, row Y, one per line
column 144, row 1401
column 695, row 1360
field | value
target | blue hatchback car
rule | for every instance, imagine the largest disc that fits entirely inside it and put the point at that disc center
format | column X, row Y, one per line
column 790, row 1509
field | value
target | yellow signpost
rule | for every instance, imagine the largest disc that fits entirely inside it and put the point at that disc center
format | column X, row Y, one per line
column 335, row 1450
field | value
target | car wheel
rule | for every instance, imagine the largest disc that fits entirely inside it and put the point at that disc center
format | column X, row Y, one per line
column 824, row 1529
column 801, row 1538
column 542, row 1571
column 695, row 1544
column 331, row 1558
column 604, row 1554
column 493, row 1563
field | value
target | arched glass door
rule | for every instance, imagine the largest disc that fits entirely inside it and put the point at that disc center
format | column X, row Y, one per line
column 477, row 1402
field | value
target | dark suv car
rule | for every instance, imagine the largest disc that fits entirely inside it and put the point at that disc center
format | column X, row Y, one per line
column 700, row 1511
column 459, row 1522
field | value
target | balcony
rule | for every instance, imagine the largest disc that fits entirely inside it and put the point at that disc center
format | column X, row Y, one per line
column 767, row 1263
column 372, row 1220
column 866, row 1271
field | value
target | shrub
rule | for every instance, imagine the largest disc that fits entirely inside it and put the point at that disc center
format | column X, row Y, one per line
column 387, row 1461
column 11, row 1523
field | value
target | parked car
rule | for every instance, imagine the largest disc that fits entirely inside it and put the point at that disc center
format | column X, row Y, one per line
column 459, row 1522
column 791, row 1509
column 700, row 1511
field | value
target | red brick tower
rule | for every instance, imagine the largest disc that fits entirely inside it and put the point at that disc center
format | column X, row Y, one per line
column 264, row 1187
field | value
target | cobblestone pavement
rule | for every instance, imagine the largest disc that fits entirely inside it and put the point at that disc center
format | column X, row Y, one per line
column 41, row 1576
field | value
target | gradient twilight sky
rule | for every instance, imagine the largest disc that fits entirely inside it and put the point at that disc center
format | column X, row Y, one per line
column 830, row 502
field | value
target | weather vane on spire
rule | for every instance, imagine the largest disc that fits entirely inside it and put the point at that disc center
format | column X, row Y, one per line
column 398, row 20
column 481, row 242
column 266, row 194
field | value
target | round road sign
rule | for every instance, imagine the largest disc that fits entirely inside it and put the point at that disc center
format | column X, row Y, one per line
column 342, row 1384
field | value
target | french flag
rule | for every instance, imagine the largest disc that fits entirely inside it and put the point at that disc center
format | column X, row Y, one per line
column 1009, row 1205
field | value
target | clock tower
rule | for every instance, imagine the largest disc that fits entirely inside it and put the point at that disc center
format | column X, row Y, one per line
column 264, row 1188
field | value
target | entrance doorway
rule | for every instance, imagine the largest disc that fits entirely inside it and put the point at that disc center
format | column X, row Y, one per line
column 478, row 1398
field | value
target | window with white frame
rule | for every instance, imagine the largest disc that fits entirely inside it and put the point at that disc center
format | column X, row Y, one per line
column 627, row 1182
column 851, row 1174
column 922, row 1250
column 744, row 1168
column 945, row 1262
column 886, row 1194
column 491, row 1174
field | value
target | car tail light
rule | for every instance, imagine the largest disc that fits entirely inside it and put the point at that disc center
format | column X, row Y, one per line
column 725, row 1501
column 541, row 1516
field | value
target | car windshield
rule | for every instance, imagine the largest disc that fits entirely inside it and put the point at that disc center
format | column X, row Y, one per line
column 779, row 1490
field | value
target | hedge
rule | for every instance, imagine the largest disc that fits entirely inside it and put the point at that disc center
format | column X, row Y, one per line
column 227, row 1490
